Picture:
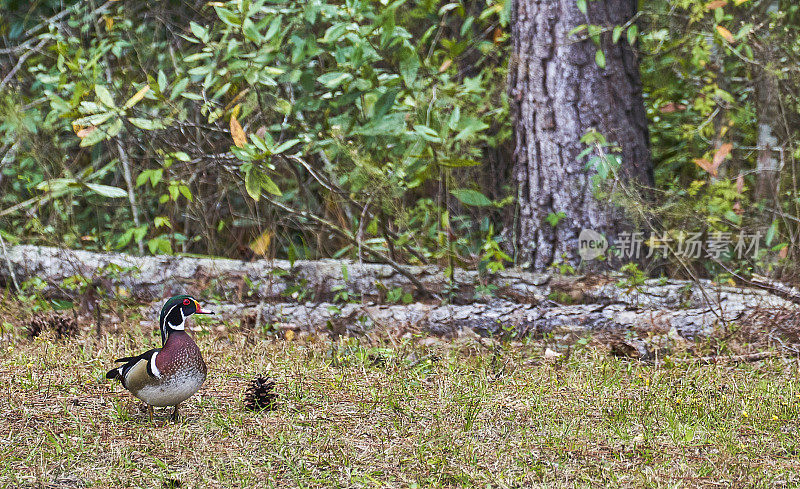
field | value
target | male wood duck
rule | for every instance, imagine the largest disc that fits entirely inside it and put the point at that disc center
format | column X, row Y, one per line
column 171, row 374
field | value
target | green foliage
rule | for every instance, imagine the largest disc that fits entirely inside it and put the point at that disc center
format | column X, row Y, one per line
column 554, row 218
column 359, row 129
column 633, row 277
column 357, row 117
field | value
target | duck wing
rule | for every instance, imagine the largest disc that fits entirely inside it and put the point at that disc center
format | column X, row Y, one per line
column 140, row 367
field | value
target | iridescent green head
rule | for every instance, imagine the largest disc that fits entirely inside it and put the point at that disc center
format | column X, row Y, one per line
column 174, row 313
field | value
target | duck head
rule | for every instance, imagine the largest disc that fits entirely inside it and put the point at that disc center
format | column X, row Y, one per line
column 174, row 313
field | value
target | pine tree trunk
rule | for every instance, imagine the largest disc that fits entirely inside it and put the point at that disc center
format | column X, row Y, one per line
column 768, row 113
column 558, row 93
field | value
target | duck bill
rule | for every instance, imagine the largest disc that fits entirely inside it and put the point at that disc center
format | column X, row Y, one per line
column 200, row 310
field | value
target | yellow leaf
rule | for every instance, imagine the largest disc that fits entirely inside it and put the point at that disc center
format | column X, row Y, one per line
column 137, row 97
column 288, row 335
column 260, row 245
column 239, row 137
column 739, row 2
column 235, row 110
column 109, row 22
column 725, row 33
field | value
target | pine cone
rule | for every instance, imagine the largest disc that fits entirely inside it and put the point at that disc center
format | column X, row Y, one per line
column 37, row 325
column 63, row 325
column 260, row 396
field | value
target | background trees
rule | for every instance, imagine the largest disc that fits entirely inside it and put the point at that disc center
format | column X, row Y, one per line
column 381, row 130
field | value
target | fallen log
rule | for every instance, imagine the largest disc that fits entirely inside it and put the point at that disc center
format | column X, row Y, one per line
column 308, row 296
column 154, row 277
column 498, row 318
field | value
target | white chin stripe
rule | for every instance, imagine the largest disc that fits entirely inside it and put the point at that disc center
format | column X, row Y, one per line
column 169, row 325
column 153, row 367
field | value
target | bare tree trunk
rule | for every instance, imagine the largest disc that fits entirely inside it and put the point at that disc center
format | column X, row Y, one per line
column 558, row 94
column 768, row 162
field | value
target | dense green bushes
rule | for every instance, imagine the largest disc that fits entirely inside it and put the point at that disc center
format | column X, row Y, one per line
column 357, row 128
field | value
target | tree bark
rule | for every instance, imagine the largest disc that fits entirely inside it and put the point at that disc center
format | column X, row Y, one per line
column 558, row 94
column 768, row 163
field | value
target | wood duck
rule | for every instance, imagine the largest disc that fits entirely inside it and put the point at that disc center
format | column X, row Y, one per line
column 171, row 374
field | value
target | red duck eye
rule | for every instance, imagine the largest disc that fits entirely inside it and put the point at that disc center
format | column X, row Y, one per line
column 186, row 302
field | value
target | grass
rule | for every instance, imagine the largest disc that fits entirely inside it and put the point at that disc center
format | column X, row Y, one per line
column 393, row 412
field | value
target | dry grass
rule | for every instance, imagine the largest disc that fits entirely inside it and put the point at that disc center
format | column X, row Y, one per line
column 394, row 413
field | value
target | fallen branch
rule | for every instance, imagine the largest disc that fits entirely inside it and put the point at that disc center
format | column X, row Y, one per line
column 713, row 359
column 777, row 288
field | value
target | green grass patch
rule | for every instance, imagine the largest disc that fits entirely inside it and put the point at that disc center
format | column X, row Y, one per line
column 361, row 413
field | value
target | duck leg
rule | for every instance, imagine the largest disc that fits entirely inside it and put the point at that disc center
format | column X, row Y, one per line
column 174, row 416
column 150, row 412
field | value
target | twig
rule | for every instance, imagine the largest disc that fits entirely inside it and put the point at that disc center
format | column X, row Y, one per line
column 747, row 357
column 360, row 234
column 21, row 61
column 8, row 263
column 41, row 199
column 126, row 171
column 338, row 191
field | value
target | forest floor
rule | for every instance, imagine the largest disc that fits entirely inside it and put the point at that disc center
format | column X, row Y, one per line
column 393, row 412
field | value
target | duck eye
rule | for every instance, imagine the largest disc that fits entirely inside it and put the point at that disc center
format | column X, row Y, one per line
column 186, row 302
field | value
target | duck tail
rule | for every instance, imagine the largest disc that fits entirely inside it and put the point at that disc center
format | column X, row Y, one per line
column 114, row 373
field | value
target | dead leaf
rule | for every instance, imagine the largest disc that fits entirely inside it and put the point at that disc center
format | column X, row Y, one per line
column 672, row 107
column 740, row 184
column 712, row 166
column 239, row 137
column 721, row 153
column 706, row 165
column 498, row 35
column 86, row 131
column 716, row 4
column 235, row 111
column 445, row 65
column 550, row 354
column 784, row 252
column 725, row 33
column 260, row 245
column 737, row 209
